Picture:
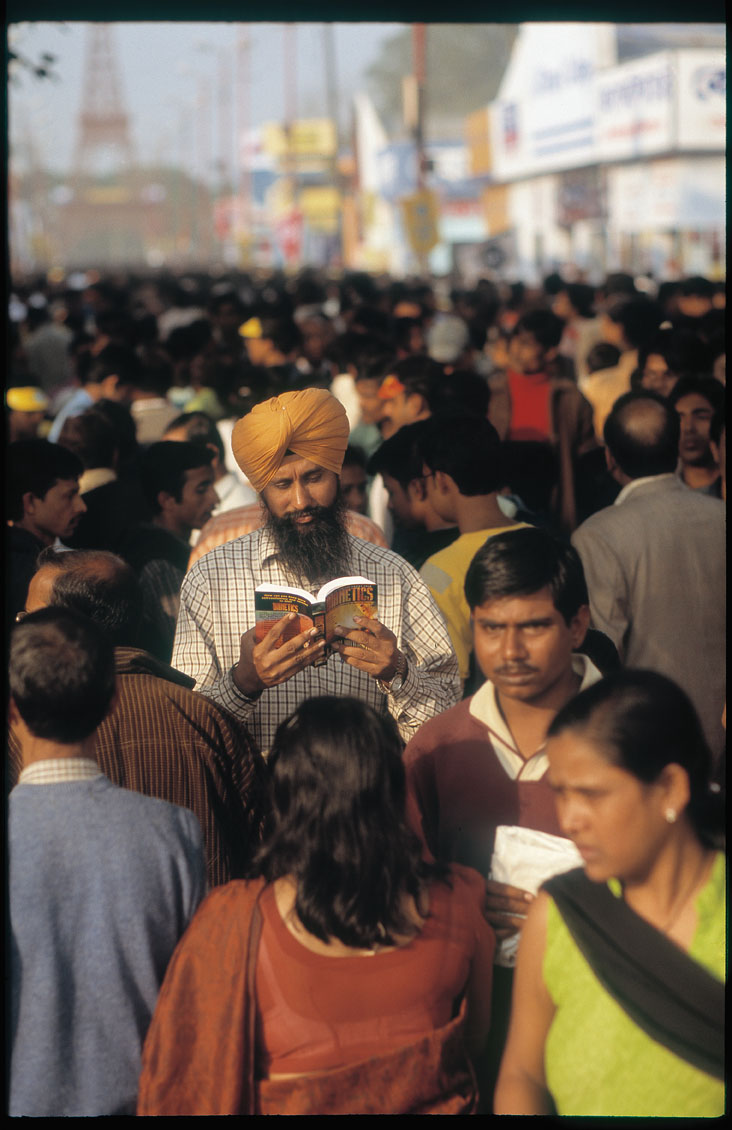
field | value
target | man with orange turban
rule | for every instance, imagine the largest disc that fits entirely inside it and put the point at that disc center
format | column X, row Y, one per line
column 291, row 449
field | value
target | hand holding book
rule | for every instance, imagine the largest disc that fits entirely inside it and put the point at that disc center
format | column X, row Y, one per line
column 272, row 661
column 371, row 647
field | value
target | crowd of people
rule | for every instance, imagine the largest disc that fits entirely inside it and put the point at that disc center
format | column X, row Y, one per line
column 459, row 852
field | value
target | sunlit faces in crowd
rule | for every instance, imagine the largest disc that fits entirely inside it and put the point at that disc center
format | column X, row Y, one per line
column 354, row 487
column 618, row 822
column 524, row 646
column 695, row 418
column 657, row 377
column 399, row 407
column 58, row 513
column 299, row 487
column 370, row 404
column 197, row 501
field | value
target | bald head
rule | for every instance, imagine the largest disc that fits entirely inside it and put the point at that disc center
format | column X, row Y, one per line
column 93, row 582
column 642, row 435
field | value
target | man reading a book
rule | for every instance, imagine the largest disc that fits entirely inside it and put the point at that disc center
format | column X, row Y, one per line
column 291, row 449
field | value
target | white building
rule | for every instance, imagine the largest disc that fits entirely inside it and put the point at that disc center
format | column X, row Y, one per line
column 604, row 166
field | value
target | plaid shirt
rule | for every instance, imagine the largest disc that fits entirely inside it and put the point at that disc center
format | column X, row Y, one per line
column 245, row 519
column 217, row 607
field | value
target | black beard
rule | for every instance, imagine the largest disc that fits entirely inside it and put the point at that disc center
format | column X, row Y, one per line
column 319, row 550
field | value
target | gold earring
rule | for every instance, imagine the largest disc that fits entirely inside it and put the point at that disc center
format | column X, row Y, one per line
column 670, row 815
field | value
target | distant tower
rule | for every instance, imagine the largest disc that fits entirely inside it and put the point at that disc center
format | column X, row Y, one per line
column 103, row 141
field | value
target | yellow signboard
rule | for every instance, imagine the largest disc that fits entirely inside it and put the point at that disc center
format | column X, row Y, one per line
column 477, row 132
column 421, row 215
column 496, row 214
column 107, row 194
column 307, row 137
column 321, row 205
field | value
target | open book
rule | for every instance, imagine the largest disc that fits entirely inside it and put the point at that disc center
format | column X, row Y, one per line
column 337, row 602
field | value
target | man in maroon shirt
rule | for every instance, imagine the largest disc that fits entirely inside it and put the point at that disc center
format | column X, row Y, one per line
column 482, row 763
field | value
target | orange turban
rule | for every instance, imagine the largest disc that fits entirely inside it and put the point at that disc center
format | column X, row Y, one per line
column 311, row 423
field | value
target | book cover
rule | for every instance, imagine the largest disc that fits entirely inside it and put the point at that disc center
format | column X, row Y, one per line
column 337, row 603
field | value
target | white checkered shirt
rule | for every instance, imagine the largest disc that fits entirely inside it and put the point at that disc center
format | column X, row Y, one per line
column 217, row 607
column 57, row 770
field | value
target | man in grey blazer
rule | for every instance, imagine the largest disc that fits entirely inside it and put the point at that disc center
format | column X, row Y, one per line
column 655, row 560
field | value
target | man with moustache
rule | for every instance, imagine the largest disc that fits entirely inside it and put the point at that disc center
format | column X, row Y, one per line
column 483, row 764
column 291, row 449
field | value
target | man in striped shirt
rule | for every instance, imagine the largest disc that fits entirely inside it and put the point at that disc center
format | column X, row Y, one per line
column 291, row 449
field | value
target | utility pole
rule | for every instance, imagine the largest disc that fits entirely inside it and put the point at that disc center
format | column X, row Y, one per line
column 241, row 150
column 290, row 61
column 419, row 35
column 419, row 53
column 331, row 101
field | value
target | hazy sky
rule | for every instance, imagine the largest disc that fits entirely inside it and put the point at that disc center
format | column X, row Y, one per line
column 164, row 68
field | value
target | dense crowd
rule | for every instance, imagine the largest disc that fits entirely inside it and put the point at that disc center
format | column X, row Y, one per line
column 286, row 868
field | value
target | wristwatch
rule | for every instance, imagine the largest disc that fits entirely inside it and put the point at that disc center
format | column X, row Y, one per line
column 400, row 674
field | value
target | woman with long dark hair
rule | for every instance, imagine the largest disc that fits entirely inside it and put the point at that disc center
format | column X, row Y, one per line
column 618, row 1004
column 346, row 974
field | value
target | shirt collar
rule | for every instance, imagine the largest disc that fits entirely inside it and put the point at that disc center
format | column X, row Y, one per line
column 56, row 770
column 630, row 487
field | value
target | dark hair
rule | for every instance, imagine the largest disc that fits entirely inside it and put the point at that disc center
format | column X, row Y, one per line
column 545, row 325
column 91, row 437
column 467, row 449
column 400, row 456
column 708, row 387
column 698, row 286
column 651, row 448
column 114, row 360
column 163, row 467
column 619, row 283
column 199, row 429
column 120, row 417
column 284, row 333
column 553, row 284
column 359, row 349
column 354, row 456
column 338, row 823
column 419, row 374
column 99, row 585
column 61, row 674
column 641, row 721
column 520, row 563
column 639, row 317
column 184, row 342
column 226, row 298
column 582, row 298
column 683, row 351
column 602, row 355
column 462, row 392
column 36, row 465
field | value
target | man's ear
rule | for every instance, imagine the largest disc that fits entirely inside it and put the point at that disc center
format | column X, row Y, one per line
column 579, row 624
column 166, row 500
column 444, row 483
column 29, row 503
column 13, row 713
column 216, row 461
column 419, row 402
column 416, row 490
